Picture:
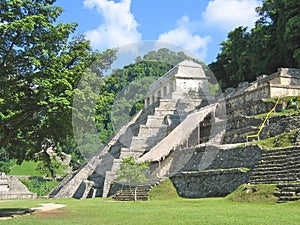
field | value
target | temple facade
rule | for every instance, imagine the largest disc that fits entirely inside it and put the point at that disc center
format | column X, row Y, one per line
column 187, row 80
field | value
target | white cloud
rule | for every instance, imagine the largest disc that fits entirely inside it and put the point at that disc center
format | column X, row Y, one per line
column 184, row 37
column 119, row 27
column 229, row 14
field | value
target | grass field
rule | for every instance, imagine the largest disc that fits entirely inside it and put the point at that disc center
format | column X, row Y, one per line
column 165, row 207
column 167, row 211
column 27, row 168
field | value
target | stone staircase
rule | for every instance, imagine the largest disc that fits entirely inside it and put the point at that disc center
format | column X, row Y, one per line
column 127, row 194
column 72, row 184
column 148, row 136
column 277, row 166
column 288, row 192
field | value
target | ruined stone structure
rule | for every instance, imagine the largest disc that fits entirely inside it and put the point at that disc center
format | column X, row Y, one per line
column 187, row 80
column 194, row 138
column 12, row 188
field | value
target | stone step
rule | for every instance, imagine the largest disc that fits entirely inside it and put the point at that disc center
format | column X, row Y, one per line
column 131, row 198
column 284, row 193
column 287, row 199
column 143, row 143
column 127, row 194
column 281, row 162
column 155, row 120
column 127, row 152
column 152, row 131
column 271, row 181
column 272, row 174
column 277, row 167
column 140, row 192
column 163, row 112
column 278, row 175
column 167, row 103
column 280, row 152
column 279, row 157
column 288, row 192
column 295, row 185
column 286, row 165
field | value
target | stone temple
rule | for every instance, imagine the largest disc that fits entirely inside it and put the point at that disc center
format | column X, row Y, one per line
column 12, row 188
column 194, row 138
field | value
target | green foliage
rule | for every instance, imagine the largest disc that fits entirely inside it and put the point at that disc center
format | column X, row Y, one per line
column 212, row 211
column 282, row 140
column 27, row 168
column 5, row 163
column 52, row 169
column 271, row 44
column 40, row 68
column 166, row 56
column 121, row 95
column 132, row 173
column 39, row 186
column 164, row 190
column 254, row 193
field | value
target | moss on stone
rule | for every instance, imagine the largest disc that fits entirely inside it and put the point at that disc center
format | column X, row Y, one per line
column 279, row 141
column 254, row 193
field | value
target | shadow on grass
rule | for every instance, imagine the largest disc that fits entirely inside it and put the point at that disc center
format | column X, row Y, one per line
column 8, row 212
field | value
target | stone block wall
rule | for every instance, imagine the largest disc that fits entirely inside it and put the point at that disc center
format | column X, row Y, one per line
column 214, row 171
column 203, row 184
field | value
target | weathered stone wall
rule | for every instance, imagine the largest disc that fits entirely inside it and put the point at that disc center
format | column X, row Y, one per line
column 215, row 171
column 255, row 107
column 244, row 96
column 201, row 184
column 278, row 125
column 285, row 82
column 225, row 158
column 284, row 90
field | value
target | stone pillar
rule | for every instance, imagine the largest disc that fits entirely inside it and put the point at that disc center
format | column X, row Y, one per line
column 147, row 101
column 158, row 95
column 165, row 92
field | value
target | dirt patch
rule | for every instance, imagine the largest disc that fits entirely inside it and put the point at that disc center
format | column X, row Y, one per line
column 52, row 213
column 47, row 209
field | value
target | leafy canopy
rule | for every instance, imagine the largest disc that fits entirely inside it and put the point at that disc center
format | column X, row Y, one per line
column 131, row 173
column 271, row 44
column 40, row 67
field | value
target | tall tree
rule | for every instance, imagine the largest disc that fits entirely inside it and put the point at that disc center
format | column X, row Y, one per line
column 283, row 16
column 272, row 43
column 39, row 69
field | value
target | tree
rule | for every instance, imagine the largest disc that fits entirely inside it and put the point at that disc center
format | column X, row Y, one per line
column 271, row 44
column 40, row 68
column 284, row 19
column 132, row 174
column 110, row 112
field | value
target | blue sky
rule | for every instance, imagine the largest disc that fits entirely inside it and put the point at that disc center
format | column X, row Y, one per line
column 197, row 26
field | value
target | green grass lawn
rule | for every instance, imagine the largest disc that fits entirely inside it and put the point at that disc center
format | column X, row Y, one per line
column 164, row 207
column 27, row 168
column 167, row 211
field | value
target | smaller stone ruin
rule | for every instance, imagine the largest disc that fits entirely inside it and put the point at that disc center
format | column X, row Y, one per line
column 12, row 188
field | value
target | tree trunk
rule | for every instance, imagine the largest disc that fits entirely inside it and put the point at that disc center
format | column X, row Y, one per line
column 135, row 192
